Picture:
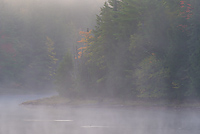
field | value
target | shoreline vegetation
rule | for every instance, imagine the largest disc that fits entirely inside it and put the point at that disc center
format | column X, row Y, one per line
column 119, row 48
column 63, row 101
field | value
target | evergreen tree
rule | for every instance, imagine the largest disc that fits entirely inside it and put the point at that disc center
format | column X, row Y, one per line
column 65, row 77
column 193, row 43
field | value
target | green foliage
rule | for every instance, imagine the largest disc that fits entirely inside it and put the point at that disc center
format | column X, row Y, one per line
column 193, row 42
column 140, row 48
column 39, row 33
column 64, row 75
column 51, row 55
column 151, row 78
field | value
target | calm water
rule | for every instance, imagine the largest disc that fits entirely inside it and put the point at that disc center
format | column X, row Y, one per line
column 17, row 119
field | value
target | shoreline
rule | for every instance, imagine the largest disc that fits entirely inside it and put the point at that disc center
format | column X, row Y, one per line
column 62, row 101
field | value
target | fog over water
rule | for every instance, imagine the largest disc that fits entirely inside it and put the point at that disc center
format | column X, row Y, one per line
column 40, row 34
column 18, row 119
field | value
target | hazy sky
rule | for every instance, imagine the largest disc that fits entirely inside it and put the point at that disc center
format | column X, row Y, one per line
column 57, row 1
column 93, row 4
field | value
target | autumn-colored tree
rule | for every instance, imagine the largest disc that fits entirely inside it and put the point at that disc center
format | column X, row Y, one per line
column 51, row 55
column 84, row 42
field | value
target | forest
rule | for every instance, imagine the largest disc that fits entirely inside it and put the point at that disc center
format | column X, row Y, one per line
column 35, row 35
column 130, row 49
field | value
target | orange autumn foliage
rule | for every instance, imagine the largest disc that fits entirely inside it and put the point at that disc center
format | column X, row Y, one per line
column 86, row 36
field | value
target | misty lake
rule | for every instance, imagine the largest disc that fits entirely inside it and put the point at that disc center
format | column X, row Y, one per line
column 18, row 119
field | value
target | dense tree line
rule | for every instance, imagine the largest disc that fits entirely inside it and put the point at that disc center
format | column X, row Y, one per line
column 141, row 48
column 136, row 48
column 35, row 36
